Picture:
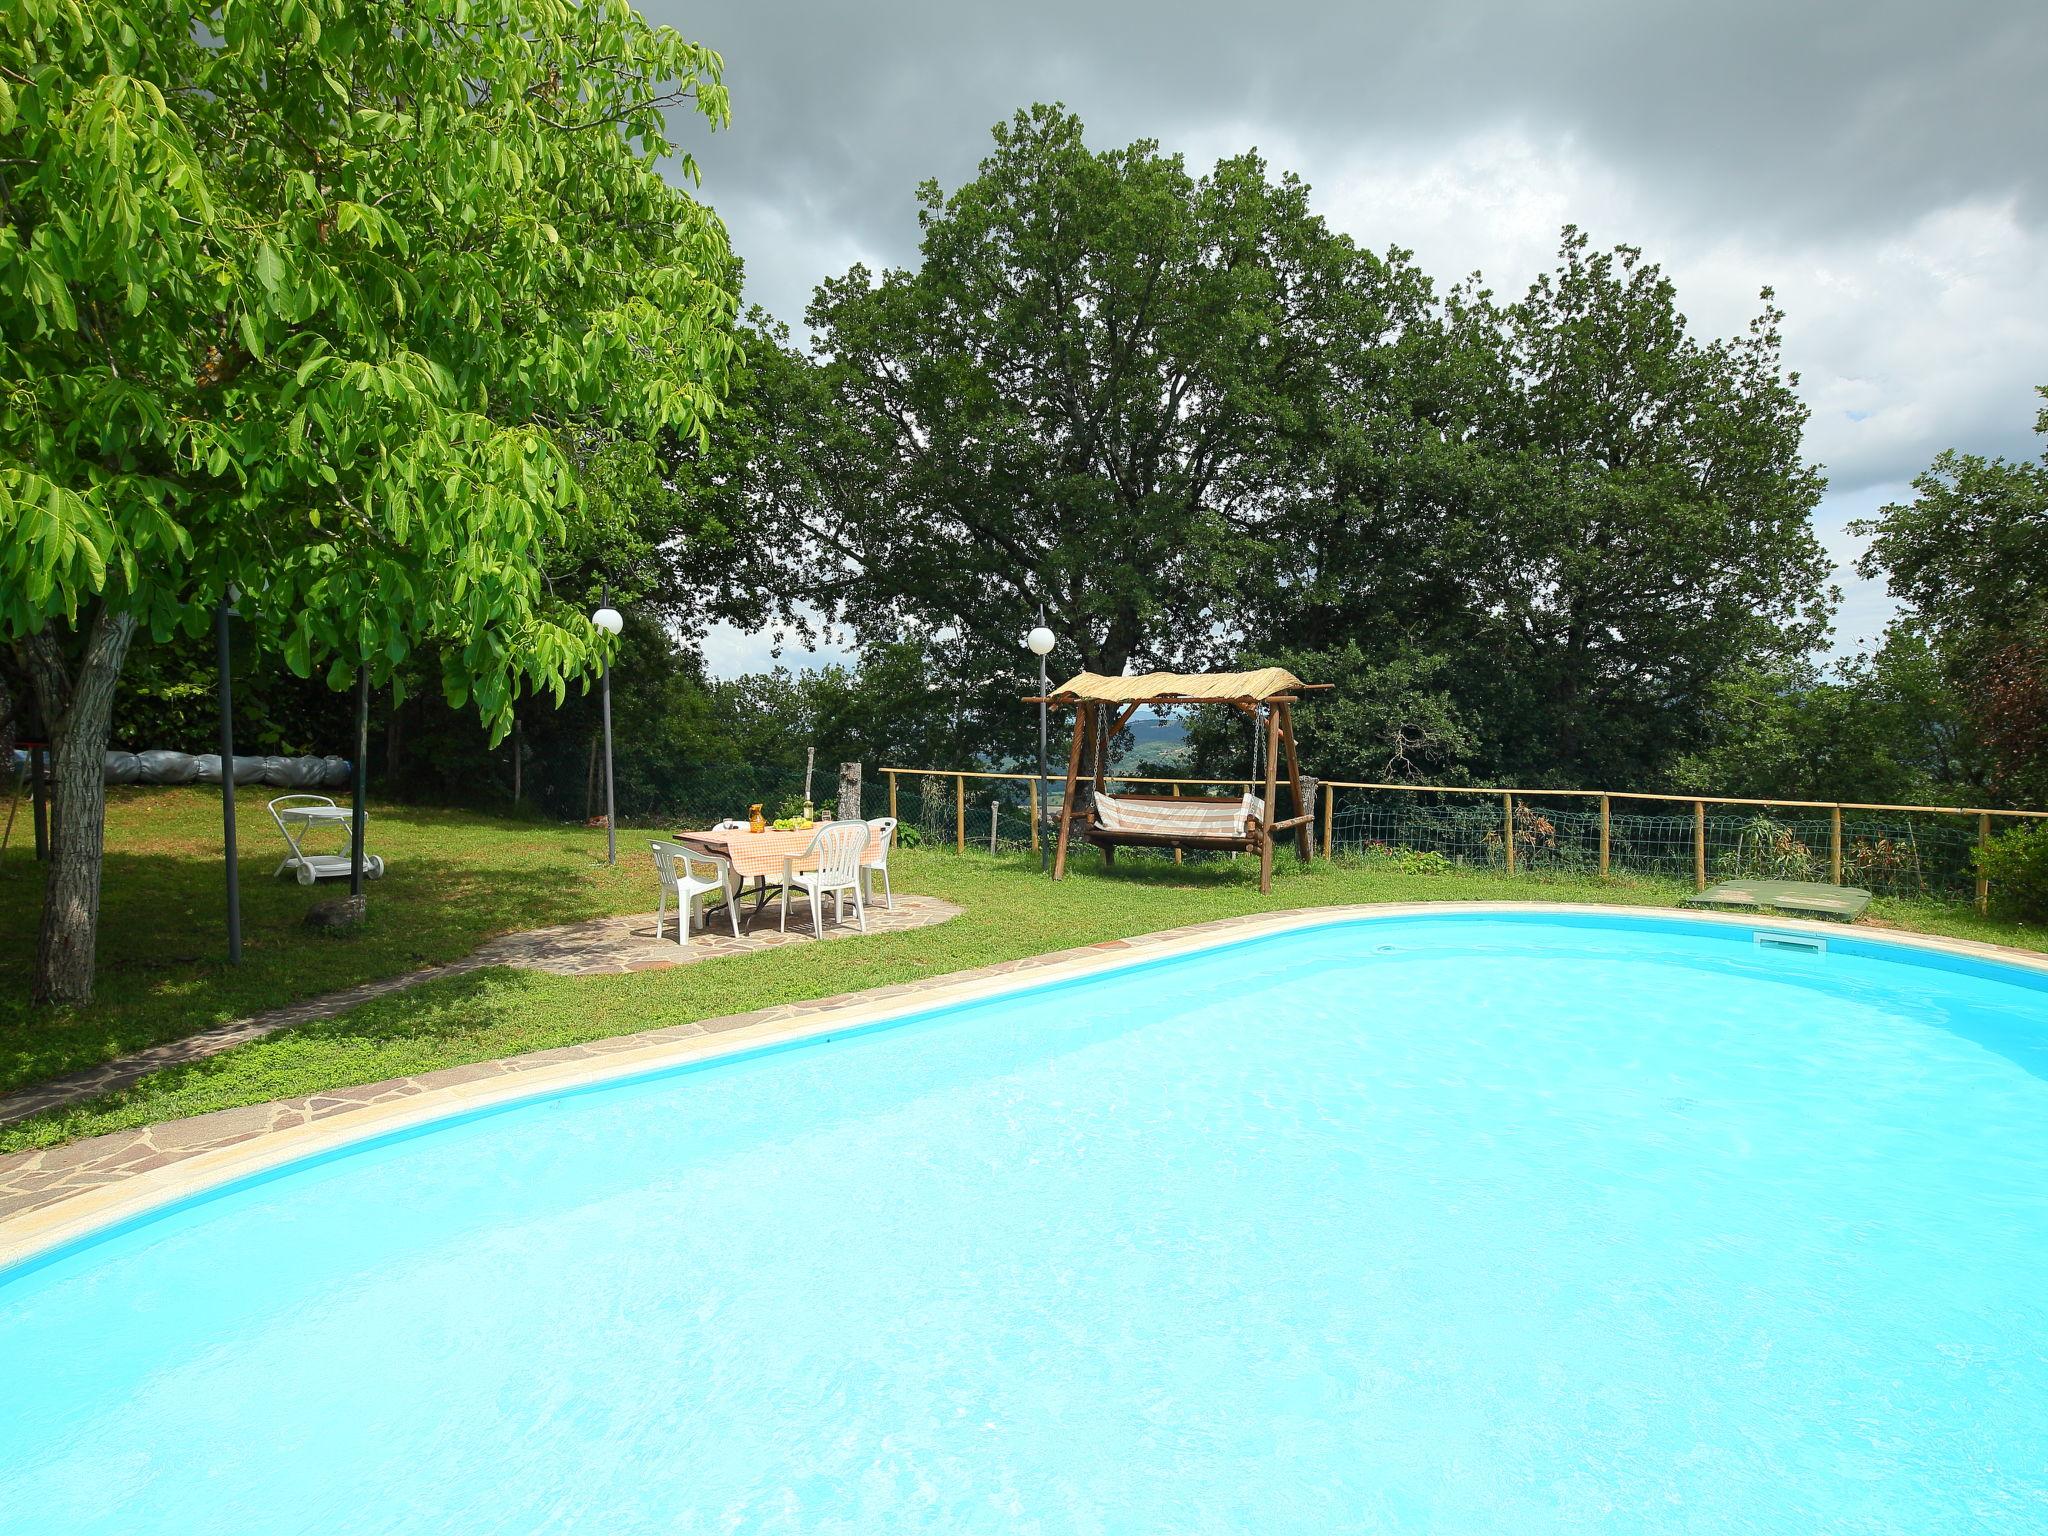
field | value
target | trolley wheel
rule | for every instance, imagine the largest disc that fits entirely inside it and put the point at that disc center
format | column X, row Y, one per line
column 305, row 875
column 374, row 867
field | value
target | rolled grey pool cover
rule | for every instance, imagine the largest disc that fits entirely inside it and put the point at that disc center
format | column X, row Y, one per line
column 166, row 768
column 158, row 767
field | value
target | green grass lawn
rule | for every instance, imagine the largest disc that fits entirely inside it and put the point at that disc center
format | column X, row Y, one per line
column 457, row 878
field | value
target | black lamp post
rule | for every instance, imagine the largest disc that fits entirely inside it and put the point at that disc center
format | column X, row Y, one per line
column 357, row 785
column 608, row 619
column 221, row 615
column 1040, row 641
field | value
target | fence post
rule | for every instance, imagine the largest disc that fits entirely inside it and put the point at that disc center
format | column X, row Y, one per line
column 992, row 823
column 1507, row 827
column 1036, row 789
column 1983, row 884
column 892, row 795
column 1699, row 845
column 849, row 792
column 1606, row 827
column 1835, row 845
column 1329, row 817
column 1176, row 846
column 959, row 813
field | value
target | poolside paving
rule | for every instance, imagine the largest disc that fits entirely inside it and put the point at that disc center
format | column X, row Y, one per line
column 37, row 1181
column 31, row 1181
column 601, row 946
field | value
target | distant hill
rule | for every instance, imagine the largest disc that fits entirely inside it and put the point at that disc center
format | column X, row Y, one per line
column 1156, row 743
column 1161, row 743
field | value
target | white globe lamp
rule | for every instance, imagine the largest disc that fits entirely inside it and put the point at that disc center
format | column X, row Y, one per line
column 1039, row 642
column 608, row 619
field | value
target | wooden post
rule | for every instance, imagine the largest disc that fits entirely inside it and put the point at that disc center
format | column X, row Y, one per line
column 1329, row 817
column 959, row 813
column 1606, row 835
column 1983, row 884
column 1036, row 790
column 1304, row 834
column 1507, row 828
column 1699, row 845
column 1176, row 847
column 1835, row 845
column 1272, row 792
column 892, row 795
column 1059, row 860
column 992, row 802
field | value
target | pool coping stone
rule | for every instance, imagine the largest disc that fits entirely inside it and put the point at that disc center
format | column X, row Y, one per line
column 56, row 1195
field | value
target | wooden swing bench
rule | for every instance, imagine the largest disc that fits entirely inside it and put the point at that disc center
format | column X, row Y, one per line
column 1242, row 824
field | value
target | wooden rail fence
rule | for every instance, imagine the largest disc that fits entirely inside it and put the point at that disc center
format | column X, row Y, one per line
column 1039, row 793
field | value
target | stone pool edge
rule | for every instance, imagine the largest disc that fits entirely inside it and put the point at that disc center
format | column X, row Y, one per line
column 58, row 1195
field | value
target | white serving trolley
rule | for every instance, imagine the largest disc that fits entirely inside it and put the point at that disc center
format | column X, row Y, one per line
column 300, row 817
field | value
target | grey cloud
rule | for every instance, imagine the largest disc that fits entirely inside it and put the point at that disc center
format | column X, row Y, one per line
column 1795, row 116
column 1879, row 163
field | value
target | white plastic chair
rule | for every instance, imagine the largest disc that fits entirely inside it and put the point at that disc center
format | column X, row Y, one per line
column 677, row 867
column 884, row 828
column 837, row 847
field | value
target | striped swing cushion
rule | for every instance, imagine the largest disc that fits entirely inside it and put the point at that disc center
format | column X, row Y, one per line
column 1180, row 818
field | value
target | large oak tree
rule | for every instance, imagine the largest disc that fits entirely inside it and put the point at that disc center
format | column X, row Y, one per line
column 1083, row 398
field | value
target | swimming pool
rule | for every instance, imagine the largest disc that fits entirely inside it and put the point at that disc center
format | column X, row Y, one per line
column 1457, row 1223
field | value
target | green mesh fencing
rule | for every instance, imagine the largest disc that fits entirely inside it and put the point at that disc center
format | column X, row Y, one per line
column 1925, row 853
column 1891, row 853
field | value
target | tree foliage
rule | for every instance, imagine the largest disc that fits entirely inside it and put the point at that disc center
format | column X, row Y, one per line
column 1386, row 719
column 296, row 299
column 294, row 293
column 1194, row 424
column 1968, row 558
column 1882, row 728
column 1592, row 511
column 1081, row 399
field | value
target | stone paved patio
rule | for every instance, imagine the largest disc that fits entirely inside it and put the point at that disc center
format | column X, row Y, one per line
column 603, row 946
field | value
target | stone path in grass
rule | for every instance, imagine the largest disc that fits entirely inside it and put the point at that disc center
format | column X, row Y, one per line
column 603, row 946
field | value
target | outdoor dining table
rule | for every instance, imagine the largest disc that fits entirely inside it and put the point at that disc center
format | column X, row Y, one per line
column 769, row 857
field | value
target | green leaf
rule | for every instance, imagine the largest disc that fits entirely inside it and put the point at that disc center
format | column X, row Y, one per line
column 269, row 267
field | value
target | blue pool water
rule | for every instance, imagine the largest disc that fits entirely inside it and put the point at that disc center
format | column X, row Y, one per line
column 1457, row 1224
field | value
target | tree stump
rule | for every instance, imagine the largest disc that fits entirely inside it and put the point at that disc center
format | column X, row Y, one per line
column 337, row 913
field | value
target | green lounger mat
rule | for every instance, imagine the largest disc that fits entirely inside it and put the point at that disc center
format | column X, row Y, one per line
column 1844, row 901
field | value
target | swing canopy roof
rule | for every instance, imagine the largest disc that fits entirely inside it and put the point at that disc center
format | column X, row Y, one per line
column 1256, row 687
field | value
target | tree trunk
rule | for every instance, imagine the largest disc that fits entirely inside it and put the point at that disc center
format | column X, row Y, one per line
column 79, row 708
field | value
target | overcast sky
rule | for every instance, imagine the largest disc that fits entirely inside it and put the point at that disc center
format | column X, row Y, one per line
column 1880, row 163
